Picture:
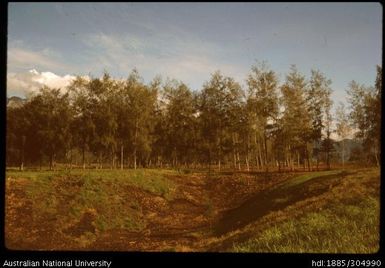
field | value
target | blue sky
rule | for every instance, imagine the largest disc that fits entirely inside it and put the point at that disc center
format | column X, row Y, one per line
column 189, row 41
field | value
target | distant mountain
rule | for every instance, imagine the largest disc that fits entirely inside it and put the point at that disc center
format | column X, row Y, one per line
column 15, row 101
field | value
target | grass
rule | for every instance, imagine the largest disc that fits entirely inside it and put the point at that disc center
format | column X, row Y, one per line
column 356, row 229
column 151, row 180
column 309, row 176
column 344, row 219
column 349, row 223
column 71, row 193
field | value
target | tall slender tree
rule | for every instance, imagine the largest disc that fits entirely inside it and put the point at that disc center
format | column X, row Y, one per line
column 343, row 129
column 296, row 120
column 262, row 105
column 317, row 96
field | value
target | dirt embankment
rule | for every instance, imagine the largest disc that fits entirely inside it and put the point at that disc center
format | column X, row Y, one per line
column 274, row 199
column 202, row 208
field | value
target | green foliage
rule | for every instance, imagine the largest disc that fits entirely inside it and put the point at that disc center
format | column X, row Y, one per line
column 365, row 114
column 219, row 105
column 103, row 122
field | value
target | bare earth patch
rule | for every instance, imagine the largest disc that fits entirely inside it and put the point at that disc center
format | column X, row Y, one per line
column 201, row 213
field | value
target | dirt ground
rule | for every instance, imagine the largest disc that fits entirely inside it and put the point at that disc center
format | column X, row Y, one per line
column 203, row 208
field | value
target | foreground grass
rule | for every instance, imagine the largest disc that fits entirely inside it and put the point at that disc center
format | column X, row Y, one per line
column 108, row 198
column 349, row 223
column 81, row 209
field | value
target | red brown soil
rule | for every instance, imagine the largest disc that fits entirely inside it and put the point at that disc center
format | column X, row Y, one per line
column 202, row 207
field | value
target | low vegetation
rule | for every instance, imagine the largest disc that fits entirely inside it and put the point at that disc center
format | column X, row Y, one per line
column 167, row 210
column 348, row 222
column 83, row 203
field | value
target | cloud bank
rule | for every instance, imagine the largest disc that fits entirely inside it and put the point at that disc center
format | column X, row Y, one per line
column 25, row 83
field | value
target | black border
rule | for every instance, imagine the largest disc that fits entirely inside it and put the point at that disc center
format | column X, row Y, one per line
column 143, row 258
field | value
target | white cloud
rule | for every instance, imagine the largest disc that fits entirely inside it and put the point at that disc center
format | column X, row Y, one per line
column 20, row 57
column 186, row 59
column 25, row 83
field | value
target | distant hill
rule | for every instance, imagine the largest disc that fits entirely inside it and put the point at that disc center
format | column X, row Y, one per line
column 15, row 101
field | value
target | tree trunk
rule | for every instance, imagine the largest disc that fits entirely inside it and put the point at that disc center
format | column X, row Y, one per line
column 297, row 159
column 51, row 161
column 343, row 153
column 175, row 158
column 22, row 161
column 113, row 160
column 100, row 161
column 135, row 139
column 22, row 153
column 376, row 156
column 121, row 157
column 291, row 159
column 84, row 158
column 265, row 151
column 209, row 162
column 70, row 157
column 260, row 155
column 234, row 154
column 235, row 160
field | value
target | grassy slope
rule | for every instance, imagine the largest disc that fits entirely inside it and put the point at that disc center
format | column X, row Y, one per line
column 107, row 195
column 309, row 176
column 346, row 220
column 150, row 180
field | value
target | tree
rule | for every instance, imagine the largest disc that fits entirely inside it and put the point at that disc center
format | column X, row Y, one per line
column 82, row 125
column 343, row 128
column 218, row 101
column 365, row 104
column 296, row 126
column 17, row 131
column 375, row 109
column 140, row 100
column 262, row 105
column 327, row 145
column 49, row 116
column 318, row 102
column 179, row 121
column 104, row 117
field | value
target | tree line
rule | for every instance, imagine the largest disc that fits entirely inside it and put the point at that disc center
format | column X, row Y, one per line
column 106, row 122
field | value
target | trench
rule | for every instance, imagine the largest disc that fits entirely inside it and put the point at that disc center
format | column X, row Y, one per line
column 276, row 199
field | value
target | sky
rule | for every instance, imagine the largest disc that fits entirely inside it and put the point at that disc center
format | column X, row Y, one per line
column 50, row 43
